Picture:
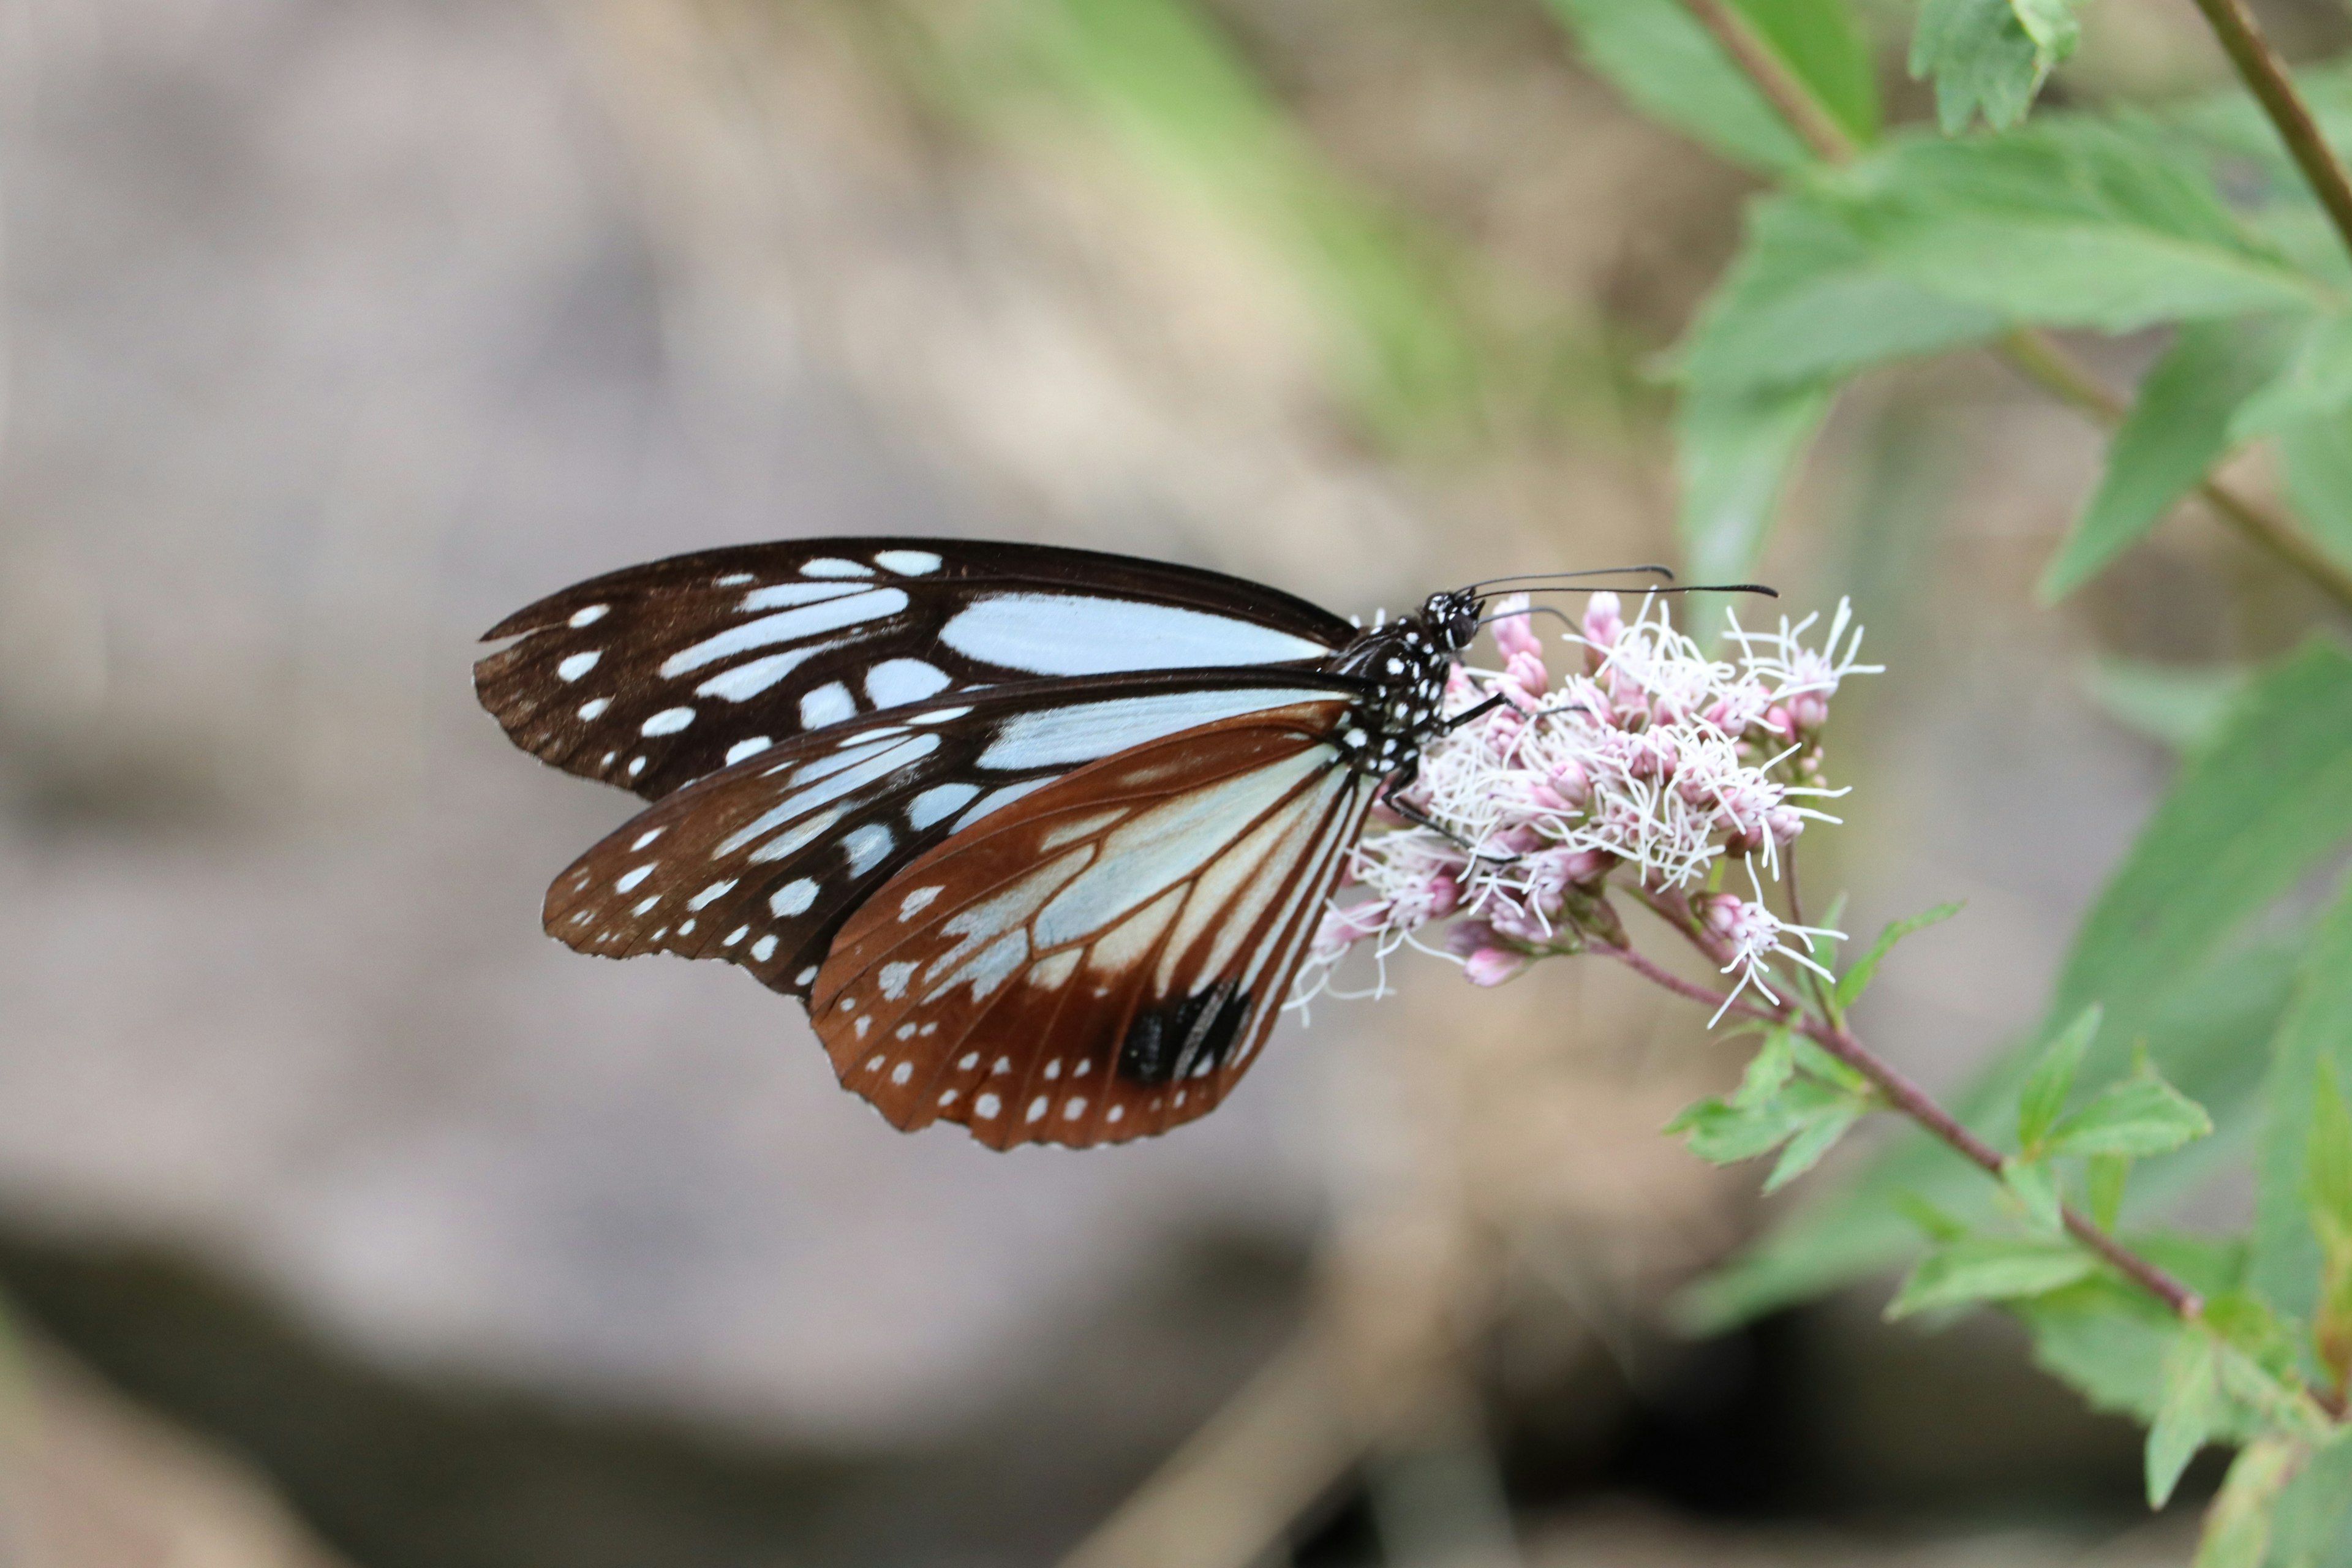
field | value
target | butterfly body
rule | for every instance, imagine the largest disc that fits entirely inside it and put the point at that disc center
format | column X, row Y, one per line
column 1039, row 835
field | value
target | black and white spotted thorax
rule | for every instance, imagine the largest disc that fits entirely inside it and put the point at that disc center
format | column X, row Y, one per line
column 1406, row 661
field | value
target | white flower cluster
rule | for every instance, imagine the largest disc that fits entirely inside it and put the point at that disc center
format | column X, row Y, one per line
column 1650, row 764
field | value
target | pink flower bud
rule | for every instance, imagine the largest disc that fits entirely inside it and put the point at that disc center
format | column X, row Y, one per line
column 1777, row 722
column 1604, row 619
column 1516, row 634
column 1784, row 823
column 1467, row 937
column 1571, row 783
column 1527, row 672
column 1811, row 710
column 1719, row 912
column 1493, row 965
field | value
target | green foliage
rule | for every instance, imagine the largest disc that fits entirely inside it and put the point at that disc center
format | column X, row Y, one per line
column 1990, row 55
column 1989, row 1268
column 1857, row 979
column 2043, row 1099
column 1824, row 45
column 2302, row 1226
column 2180, row 423
column 2139, row 1116
column 2182, row 706
column 2238, row 1526
column 1733, row 455
column 1793, row 1097
column 1660, row 58
column 2188, row 1416
column 2317, row 455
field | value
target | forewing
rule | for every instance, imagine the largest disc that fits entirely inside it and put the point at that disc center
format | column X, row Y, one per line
column 759, row 863
column 652, row 677
column 1102, row 960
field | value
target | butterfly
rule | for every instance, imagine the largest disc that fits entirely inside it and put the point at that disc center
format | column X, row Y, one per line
column 1039, row 835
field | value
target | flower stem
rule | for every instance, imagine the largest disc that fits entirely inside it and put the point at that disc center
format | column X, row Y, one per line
column 1906, row 1097
column 2266, row 76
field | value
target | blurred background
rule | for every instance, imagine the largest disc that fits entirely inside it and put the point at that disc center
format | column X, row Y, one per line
column 346, row 1220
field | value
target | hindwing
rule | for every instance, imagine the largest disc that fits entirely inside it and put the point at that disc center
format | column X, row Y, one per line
column 651, row 676
column 1101, row 960
column 759, row 863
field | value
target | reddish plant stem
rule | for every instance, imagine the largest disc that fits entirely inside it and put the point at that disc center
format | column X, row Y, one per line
column 1902, row 1095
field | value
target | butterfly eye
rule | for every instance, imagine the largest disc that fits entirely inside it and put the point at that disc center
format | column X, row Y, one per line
column 1463, row 627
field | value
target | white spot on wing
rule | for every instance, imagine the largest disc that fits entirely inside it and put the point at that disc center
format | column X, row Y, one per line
column 805, row 975
column 1078, row 634
column 789, row 626
column 914, row 904
column 1036, row 1110
column 893, row 980
column 828, row 704
column 898, row 681
column 793, row 897
column 732, row 937
column 987, row 1106
column 1082, row 731
column 1074, row 1108
column 941, row 800
column 648, row 836
column 866, row 848
column 750, row 747
column 764, row 949
column 668, row 721
column 746, row 681
column 645, row 904
column 732, row 580
column 629, row 880
column 903, row 1071
column 937, row 716
column 593, row 709
column 909, row 563
column 578, row 665
column 589, row 616
column 834, row 566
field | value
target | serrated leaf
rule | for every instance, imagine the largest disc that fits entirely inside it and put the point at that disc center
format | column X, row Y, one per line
column 2039, row 1102
column 2247, row 1323
column 2180, row 425
column 2139, row 1116
column 1805, row 302
column 2036, row 1186
column 2079, row 222
column 1987, row 1268
column 2310, row 1517
column 1769, row 1071
column 1857, row 979
column 1988, row 55
column 1655, row 53
column 2237, row 1533
column 2107, row 1177
column 1733, row 456
column 2197, row 1021
column 2189, row 1416
column 1806, row 1149
column 1724, row 1134
column 2291, row 1259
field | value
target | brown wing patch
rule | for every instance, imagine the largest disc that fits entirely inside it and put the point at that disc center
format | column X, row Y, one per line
column 1102, row 960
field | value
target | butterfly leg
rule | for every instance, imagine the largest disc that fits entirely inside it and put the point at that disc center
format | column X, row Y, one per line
column 1479, row 712
column 1403, row 779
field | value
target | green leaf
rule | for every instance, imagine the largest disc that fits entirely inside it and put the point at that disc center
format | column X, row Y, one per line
column 2108, row 1176
column 2317, row 457
column 2179, row 426
column 1989, row 1268
column 1725, row 1134
column 2246, row 818
column 2139, row 1116
column 2197, row 1023
column 1988, row 55
column 2311, row 1512
column 2328, row 1190
column 1807, row 301
column 2043, row 1097
column 1819, row 1137
column 2238, row 1525
column 2315, row 381
column 1857, row 979
column 1769, row 1071
column 1661, row 58
column 2190, row 1416
column 1826, row 48
column 2301, row 1132
column 2036, row 1187
column 1828, row 1069
column 2181, row 705
column 1733, row 456
column 2079, row 222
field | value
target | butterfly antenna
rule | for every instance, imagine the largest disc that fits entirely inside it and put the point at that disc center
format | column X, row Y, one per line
column 1768, row 592
column 1560, row 616
column 1549, row 576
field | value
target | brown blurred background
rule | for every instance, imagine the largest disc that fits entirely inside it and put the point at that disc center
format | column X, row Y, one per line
column 343, row 1218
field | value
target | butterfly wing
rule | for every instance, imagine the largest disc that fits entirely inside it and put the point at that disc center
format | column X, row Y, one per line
column 651, row 676
column 1101, row 960
column 759, row 863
